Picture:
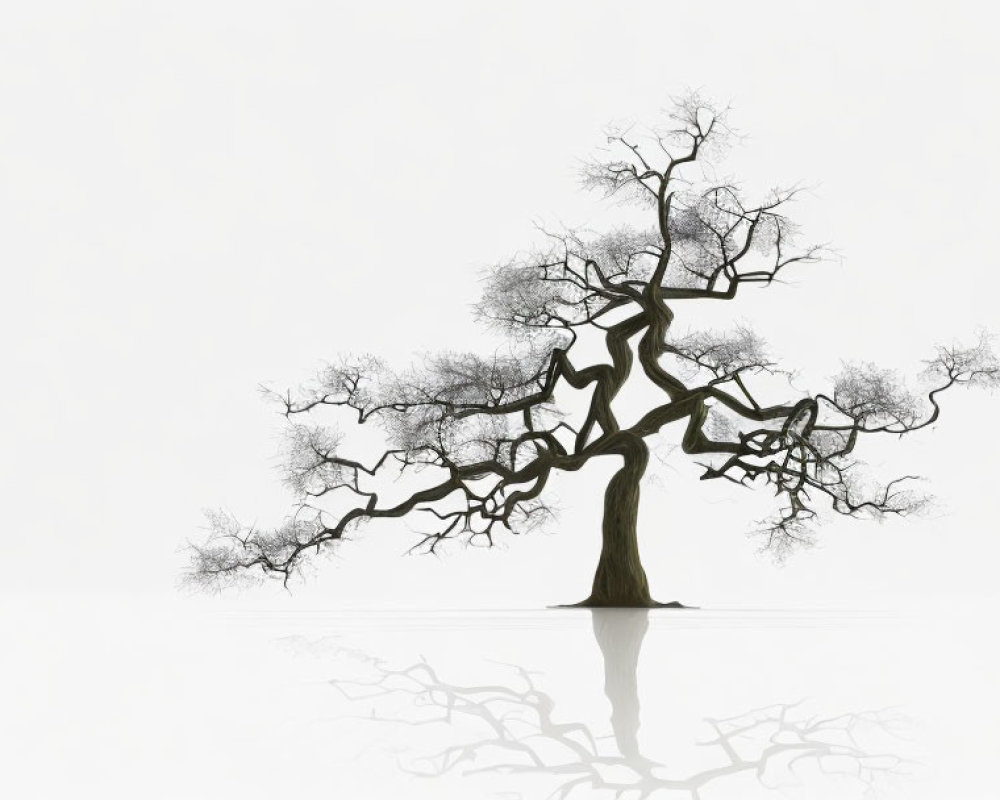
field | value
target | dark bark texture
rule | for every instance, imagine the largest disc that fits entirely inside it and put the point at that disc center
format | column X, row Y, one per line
column 620, row 579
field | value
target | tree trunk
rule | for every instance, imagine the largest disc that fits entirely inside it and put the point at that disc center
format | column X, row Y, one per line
column 620, row 579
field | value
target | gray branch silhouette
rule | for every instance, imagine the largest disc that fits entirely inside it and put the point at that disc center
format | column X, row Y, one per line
column 519, row 735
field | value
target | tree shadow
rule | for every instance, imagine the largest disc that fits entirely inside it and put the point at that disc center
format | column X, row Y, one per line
column 517, row 732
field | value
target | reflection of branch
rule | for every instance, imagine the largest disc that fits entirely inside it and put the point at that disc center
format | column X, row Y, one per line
column 831, row 743
column 512, row 716
column 517, row 735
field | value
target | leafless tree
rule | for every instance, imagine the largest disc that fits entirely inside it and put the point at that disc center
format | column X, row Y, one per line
column 486, row 432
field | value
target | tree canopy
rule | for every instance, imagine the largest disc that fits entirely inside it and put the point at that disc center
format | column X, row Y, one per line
column 486, row 432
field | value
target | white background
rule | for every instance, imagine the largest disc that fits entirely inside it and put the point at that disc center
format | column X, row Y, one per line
column 196, row 198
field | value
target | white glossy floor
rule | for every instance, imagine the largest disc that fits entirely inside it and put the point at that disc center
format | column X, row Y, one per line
column 114, row 700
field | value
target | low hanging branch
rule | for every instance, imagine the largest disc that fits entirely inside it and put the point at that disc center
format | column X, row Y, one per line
column 487, row 434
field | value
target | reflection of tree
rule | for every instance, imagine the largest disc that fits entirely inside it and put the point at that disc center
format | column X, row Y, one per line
column 517, row 734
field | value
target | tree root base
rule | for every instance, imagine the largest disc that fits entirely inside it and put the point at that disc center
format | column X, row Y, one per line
column 591, row 603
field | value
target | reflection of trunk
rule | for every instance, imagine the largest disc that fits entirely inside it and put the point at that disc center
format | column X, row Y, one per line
column 619, row 633
column 620, row 579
